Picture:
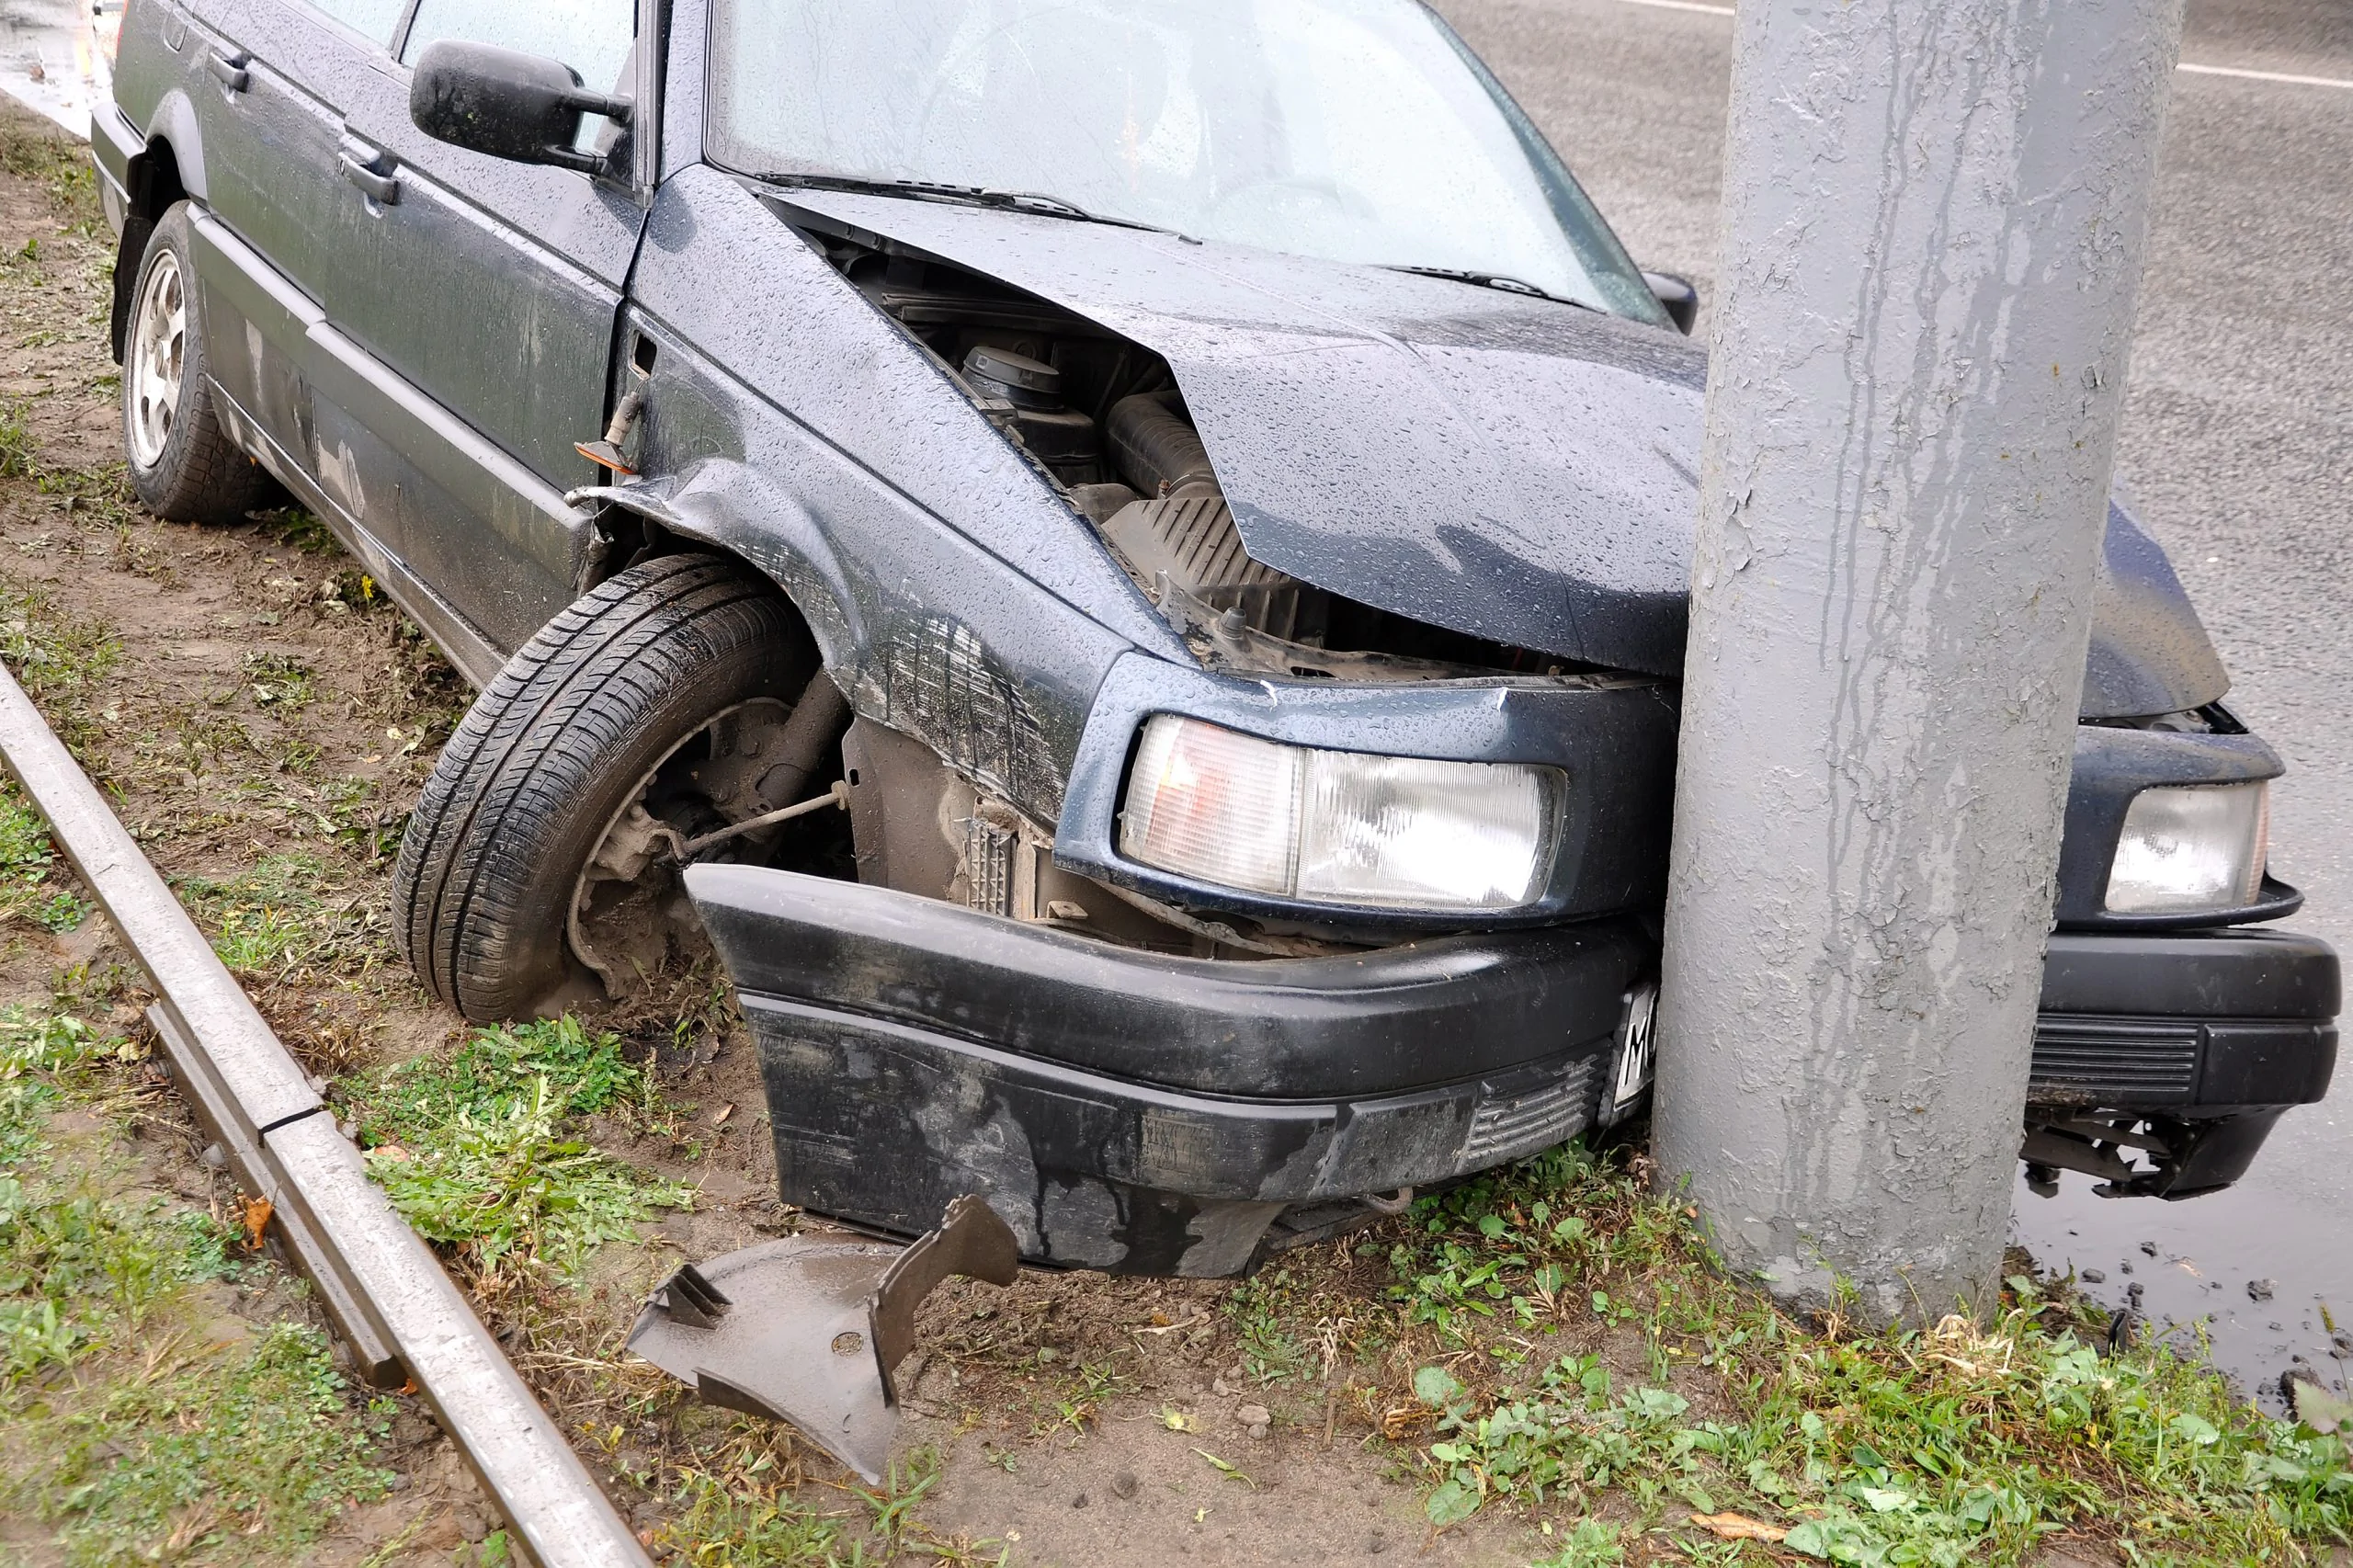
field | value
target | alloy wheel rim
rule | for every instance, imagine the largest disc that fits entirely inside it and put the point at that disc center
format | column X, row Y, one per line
column 158, row 361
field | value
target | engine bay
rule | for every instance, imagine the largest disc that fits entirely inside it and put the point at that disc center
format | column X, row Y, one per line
column 1104, row 421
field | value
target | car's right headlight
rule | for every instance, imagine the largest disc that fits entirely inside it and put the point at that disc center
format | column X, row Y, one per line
column 2190, row 849
column 1339, row 827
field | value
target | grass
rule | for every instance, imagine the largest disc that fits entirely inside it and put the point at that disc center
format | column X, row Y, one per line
column 132, row 1425
column 27, row 862
column 264, row 1444
column 747, row 1516
column 282, row 920
column 280, row 679
column 1580, row 1355
column 18, row 450
column 62, row 167
column 62, row 660
column 479, row 1149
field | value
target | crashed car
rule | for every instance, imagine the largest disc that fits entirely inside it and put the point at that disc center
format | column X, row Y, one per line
column 1122, row 561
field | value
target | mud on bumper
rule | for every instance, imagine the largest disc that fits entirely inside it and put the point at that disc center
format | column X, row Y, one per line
column 1147, row 1114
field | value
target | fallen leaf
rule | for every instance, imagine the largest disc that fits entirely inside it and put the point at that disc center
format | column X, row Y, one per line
column 1225, row 1469
column 724, row 1112
column 1739, row 1526
column 254, row 1214
column 1176, row 1420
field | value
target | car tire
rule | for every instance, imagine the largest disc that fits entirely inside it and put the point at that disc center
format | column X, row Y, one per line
column 182, row 462
column 561, row 748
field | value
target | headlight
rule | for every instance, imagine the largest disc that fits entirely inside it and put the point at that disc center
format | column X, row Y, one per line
column 2190, row 849
column 1338, row 827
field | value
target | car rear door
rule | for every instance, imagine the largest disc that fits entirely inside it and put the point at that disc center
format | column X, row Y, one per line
column 482, row 298
column 266, row 79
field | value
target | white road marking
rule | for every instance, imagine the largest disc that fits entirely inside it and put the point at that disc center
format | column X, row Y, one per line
column 2240, row 71
column 2235, row 71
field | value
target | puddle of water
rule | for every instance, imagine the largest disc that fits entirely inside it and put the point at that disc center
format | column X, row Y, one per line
column 2193, row 1263
column 51, row 57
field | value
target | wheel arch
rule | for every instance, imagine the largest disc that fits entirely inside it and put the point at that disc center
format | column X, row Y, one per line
column 168, row 170
column 725, row 508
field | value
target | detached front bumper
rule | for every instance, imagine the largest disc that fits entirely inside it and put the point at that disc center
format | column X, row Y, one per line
column 1146, row 1114
column 1140, row 1113
column 2162, row 1061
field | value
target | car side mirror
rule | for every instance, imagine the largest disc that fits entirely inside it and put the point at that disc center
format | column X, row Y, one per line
column 523, row 108
column 1677, row 296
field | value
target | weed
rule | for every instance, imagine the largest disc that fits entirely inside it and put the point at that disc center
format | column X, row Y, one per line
column 298, row 529
column 281, row 680
column 275, row 922
column 1897, row 1447
column 61, row 167
column 18, row 452
column 505, row 1189
column 1591, row 1543
column 736, row 1522
column 25, row 860
column 353, row 815
column 62, row 660
column 155, row 1443
column 474, row 1149
column 180, row 1458
column 1261, row 1312
column 493, row 1068
column 891, row 1504
column 36, row 1049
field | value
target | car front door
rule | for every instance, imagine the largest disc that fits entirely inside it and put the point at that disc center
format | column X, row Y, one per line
column 481, row 299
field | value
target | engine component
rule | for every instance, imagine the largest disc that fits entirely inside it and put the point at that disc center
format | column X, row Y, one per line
column 1155, row 448
column 1192, row 540
column 1019, row 380
column 1063, row 437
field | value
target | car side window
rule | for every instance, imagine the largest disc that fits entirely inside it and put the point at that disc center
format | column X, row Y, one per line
column 375, row 20
column 593, row 37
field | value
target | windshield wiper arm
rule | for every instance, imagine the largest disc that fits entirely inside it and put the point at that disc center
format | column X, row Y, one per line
column 963, row 195
column 1504, row 281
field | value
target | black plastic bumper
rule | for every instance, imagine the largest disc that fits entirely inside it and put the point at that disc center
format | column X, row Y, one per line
column 2161, row 1062
column 1136, row 1112
column 1131, row 1111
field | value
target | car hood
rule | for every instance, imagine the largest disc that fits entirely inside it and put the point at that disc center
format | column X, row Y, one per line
column 1504, row 466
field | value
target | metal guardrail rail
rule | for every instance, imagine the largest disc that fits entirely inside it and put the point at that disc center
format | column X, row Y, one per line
column 386, row 1294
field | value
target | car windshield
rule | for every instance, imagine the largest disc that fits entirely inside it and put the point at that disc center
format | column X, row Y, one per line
column 1356, row 130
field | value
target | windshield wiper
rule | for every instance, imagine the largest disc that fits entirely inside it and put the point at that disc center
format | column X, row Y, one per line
column 962, row 194
column 1504, row 281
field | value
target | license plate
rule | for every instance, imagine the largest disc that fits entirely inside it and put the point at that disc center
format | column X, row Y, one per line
column 1635, row 1056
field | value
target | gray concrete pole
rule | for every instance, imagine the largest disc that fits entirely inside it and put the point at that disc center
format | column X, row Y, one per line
column 1933, row 220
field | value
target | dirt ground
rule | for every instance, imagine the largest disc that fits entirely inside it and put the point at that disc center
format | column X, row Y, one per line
column 263, row 725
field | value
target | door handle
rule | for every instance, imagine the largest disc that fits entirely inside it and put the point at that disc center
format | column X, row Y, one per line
column 229, row 70
column 384, row 187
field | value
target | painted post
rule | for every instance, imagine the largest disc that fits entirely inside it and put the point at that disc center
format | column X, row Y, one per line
column 1934, row 215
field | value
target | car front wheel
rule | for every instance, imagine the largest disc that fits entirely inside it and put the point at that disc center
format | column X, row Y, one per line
column 541, row 864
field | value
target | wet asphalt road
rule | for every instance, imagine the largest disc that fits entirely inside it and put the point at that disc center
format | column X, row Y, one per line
column 2237, row 444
